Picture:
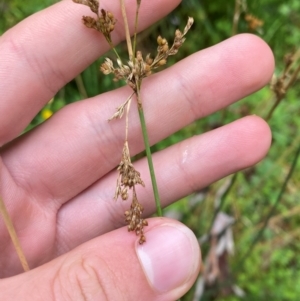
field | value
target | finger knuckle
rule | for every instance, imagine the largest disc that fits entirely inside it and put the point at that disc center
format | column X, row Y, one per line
column 82, row 281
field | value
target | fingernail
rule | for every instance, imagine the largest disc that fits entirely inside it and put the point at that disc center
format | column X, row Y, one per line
column 169, row 257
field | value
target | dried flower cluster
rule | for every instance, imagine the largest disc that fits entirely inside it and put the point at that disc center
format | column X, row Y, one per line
column 128, row 176
column 140, row 68
column 127, row 179
column 278, row 86
column 134, row 219
column 104, row 23
column 253, row 22
column 281, row 84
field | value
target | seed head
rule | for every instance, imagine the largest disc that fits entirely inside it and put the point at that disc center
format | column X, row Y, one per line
column 92, row 4
column 133, row 217
column 253, row 22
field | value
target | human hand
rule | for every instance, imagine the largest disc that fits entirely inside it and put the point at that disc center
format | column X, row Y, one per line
column 58, row 180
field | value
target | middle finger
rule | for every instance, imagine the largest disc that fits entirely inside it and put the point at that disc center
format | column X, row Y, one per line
column 79, row 146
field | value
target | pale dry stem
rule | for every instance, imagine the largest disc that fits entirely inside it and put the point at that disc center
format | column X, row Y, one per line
column 240, row 5
column 126, row 27
column 121, row 109
column 13, row 235
column 127, row 119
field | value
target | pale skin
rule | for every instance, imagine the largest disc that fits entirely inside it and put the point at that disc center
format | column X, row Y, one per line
column 58, row 180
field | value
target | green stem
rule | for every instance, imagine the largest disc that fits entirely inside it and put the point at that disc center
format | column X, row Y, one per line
column 222, row 202
column 112, row 46
column 272, row 210
column 149, row 157
column 117, row 54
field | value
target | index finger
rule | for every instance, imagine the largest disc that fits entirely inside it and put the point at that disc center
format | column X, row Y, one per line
column 44, row 52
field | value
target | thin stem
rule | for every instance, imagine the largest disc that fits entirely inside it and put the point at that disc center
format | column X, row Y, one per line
column 80, row 86
column 236, row 17
column 127, row 121
column 13, row 235
column 149, row 155
column 136, row 25
column 240, row 7
column 271, row 212
column 275, row 105
column 293, row 78
column 112, row 46
column 222, row 202
column 117, row 54
column 127, row 33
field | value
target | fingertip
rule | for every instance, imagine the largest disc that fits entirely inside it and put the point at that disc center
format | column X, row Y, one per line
column 257, row 52
column 255, row 134
column 170, row 258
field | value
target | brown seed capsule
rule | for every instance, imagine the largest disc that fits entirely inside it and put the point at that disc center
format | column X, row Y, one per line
column 162, row 62
column 165, row 48
column 124, row 196
column 142, row 239
column 177, row 44
column 139, row 56
column 103, row 12
column 147, row 67
column 149, row 60
column 178, row 34
column 159, row 40
column 110, row 15
column 111, row 27
column 163, row 41
column 131, row 174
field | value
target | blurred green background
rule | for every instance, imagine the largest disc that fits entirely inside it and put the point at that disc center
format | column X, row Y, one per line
column 264, row 224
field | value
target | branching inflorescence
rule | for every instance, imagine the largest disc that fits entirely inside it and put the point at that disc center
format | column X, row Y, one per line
column 133, row 72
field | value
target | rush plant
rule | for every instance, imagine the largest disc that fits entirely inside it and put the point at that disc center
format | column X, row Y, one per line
column 132, row 71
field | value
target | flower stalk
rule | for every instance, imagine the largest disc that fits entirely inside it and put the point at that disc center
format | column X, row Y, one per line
column 149, row 158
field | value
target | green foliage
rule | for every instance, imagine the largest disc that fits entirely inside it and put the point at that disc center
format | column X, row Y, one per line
column 271, row 272
column 14, row 11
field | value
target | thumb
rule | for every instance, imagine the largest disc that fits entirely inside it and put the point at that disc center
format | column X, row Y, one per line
column 115, row 267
